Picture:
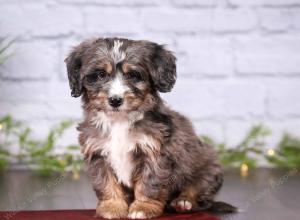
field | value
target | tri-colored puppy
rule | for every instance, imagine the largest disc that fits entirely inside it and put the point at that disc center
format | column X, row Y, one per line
column 142, row 157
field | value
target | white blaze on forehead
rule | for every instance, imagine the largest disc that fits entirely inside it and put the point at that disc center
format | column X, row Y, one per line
column 116, row 53
column 117, row 88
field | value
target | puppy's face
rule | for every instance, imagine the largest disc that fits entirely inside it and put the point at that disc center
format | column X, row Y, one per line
column 120, row 75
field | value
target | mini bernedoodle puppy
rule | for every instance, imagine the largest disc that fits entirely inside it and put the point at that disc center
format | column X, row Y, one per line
column 142, row 157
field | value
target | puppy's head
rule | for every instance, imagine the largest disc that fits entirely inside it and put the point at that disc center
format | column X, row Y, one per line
column 120, row 75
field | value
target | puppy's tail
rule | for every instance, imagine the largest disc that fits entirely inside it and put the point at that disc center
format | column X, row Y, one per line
column 222, row 207
column 215, row 207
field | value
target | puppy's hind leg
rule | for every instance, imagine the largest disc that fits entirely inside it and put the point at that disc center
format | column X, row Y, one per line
column 200, row 194
column 208, row 187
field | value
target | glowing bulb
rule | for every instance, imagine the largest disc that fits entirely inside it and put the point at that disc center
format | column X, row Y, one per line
column 244, row 167
column 1, row 126
column 244, row 170
column 271, row 152
column 62, row 162
column 76, row 175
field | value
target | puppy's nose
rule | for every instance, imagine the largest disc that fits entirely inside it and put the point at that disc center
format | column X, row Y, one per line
column 115, row 101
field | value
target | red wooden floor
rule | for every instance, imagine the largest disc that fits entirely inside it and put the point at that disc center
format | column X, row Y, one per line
column 88, row 215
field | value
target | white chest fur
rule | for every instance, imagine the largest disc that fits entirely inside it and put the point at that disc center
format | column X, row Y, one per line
column 118, row 148
column 119, row 143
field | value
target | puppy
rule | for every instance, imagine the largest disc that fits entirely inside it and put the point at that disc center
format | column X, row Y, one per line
column 142, row 157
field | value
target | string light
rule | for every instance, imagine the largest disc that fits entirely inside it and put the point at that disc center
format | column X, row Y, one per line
column 244, row 170
column 271, row 152
column 1, row 126
column 76, row 175
column 62, row 162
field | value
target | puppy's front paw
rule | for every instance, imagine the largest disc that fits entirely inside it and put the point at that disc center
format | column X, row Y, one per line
column 111, row 209
column 143, row 210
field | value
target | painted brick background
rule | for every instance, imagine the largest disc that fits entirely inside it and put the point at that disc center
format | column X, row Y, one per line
column 238, row 60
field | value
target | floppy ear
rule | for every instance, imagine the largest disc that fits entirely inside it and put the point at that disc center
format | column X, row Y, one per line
column 163, row 69
column 74, row 63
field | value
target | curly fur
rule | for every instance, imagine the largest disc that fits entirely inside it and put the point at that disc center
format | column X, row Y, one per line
column 142, row 157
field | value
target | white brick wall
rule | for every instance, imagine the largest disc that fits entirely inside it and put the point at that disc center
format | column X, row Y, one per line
column 238, row 60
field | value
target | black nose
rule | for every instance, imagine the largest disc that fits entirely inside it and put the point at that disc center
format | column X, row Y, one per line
column 115, row 101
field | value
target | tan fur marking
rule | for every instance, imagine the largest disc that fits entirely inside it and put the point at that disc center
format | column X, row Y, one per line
column 113, row 203
column 108, row 68
column 113, row 189
column 127, row 67
column 144, row 207
column 186, row 200
column 105, row 65
column 190, row 192
column 112, row 209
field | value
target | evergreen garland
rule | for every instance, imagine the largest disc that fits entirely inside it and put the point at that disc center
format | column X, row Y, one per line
column 40, row 155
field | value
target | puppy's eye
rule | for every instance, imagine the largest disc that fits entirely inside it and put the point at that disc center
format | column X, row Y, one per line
column 96, row 75
column 134, row 76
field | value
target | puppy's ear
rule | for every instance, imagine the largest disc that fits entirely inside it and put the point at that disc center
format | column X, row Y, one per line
column 74, row 64
column 163, row 69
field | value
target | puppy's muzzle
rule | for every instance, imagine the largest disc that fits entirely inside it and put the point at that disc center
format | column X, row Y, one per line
column 115, row 101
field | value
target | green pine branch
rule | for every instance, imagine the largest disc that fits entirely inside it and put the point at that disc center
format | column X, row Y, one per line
column 244, row 153
column 40, row 155
column 287, row 154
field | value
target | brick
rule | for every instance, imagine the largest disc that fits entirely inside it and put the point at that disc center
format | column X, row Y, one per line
column 18, row 91
column 283, row 98
column 41, row 110
column 41, row 128
column 205, row 56
column 117, row 20
column 193, row 98
column 40, row 20
column 235, row 130
column 60, row 91
column 25, row 111
column 243, row 99
column 198, row 99
column 36, row 91
column 268, row 55
column 60, row 101
column 264, row 2
column 167, row 40
column 275, row 19
column 66, row 109
column 32, row 60
column 295, row 13
column 211, row 129
column 28, row 1
column 195, row 3
column 128, row 3
column 281, row 127
column 234, row 20
column 179, row 21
